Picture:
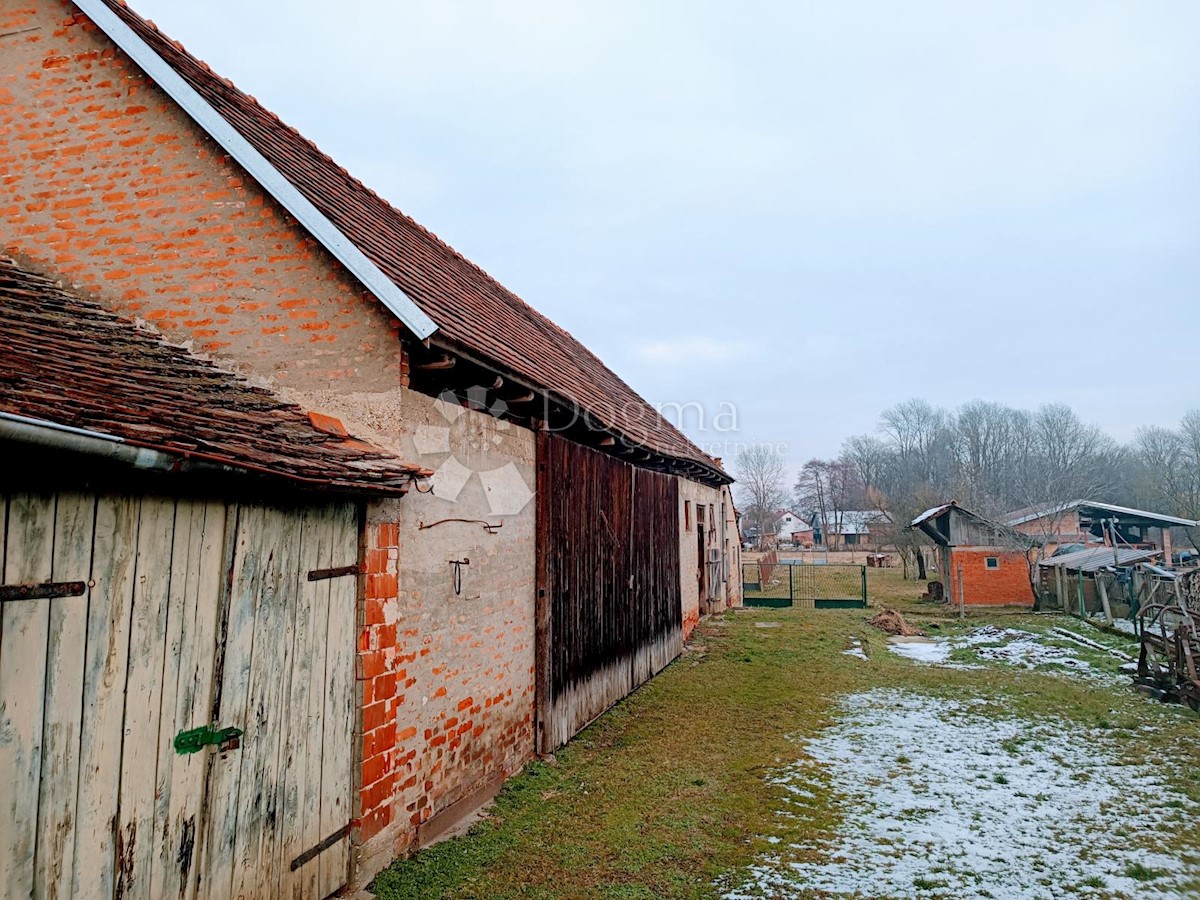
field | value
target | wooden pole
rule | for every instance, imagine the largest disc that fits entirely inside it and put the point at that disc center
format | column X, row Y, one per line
column 1103, row 589
column 1058, row 588
column 962, row 603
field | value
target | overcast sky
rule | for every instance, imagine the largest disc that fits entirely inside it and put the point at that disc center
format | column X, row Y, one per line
column 809, row 210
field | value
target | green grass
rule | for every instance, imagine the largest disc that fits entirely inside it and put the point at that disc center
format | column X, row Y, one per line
column 1138, row 872
column 666, row 794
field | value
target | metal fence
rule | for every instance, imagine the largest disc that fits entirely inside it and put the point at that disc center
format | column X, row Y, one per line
column 785, row 583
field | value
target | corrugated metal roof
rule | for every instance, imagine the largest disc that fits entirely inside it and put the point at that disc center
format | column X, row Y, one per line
column 1099, row 558
column 1029, row 514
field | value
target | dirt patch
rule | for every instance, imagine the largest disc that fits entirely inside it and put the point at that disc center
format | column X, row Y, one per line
column 890, row 621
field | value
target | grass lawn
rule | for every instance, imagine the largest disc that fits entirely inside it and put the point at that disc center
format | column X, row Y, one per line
column 677, row 792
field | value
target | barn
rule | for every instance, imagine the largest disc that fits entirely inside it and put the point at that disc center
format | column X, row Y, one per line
column 569, row 537
column 177, row 649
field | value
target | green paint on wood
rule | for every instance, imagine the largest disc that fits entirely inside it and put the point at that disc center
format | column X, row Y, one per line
column 196, row 739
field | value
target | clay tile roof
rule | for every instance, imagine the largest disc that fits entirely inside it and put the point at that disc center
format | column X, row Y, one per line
column 471, row 309
column 68, row 361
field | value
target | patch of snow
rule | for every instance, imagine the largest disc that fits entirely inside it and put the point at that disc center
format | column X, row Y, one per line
column 1010, row 646
column 766, row 624
column 938, row 800
column 1125, row 626
column 924, row 650
column 855, row 650
column 1025, row 650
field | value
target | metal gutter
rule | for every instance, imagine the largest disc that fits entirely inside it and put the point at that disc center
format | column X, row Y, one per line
column 99, row 445
column 44, row 433
column 313, row 220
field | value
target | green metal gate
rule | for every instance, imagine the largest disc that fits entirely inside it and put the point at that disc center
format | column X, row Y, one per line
column 806, row 586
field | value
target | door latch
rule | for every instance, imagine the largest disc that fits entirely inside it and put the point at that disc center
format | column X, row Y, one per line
column 196, row 739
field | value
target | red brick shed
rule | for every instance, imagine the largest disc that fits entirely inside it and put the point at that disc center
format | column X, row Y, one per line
column 981, row 563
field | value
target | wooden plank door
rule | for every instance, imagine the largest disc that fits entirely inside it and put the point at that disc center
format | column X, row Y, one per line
column 279, row 806
column 184, row 614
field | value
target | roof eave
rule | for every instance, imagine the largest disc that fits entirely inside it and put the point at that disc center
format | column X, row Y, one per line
column 271, row 180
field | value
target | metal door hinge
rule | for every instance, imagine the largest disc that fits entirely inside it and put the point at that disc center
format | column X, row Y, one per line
column 314, row 852
column 337, row 572
column 47, row 591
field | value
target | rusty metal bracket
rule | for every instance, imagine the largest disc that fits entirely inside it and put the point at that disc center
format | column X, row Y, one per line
column 314, row 852
column 336, row 572
column 487, row 526
column 48, row 591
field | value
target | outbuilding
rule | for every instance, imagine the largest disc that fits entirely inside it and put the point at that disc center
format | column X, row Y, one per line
column 980, row 563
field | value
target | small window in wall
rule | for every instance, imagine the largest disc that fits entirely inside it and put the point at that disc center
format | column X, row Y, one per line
column 993, row 562
column 687, row 515
column 700, row 515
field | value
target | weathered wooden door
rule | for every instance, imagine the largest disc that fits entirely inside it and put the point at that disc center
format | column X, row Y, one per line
column 127, row 621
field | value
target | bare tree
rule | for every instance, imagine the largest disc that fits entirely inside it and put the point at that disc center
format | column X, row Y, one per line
column 828, row 489
column 760, row 484
column 1170, row 467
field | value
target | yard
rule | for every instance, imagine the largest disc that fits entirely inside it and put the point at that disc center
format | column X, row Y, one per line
column 791, row 753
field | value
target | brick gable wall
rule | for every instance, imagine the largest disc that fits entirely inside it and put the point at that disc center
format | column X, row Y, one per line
column 108, row 184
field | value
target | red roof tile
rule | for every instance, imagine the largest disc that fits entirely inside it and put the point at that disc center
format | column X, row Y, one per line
column 470, row 308
column 68, row 361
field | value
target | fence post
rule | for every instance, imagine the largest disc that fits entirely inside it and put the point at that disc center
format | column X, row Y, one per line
column 1102, row 587
column 791, row 585
column 864, row 585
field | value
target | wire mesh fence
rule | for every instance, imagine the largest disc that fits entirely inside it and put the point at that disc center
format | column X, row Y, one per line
column 771, row 582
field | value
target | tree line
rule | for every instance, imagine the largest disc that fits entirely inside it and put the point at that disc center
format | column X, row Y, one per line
column 992, row 458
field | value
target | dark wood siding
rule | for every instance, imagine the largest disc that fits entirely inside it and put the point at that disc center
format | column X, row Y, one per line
column 609, row 613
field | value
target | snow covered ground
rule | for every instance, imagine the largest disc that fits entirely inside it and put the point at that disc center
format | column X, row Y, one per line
column 939, row 800
column 1010, row 646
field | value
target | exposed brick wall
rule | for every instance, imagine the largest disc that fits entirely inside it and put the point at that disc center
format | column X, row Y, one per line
column 382, row 679
column 1007, row 585
column 451, row 674
column 107, row 183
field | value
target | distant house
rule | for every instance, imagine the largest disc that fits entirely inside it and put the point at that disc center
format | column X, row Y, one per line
column 982, row 563
column 848, row 528
column 790, row 527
